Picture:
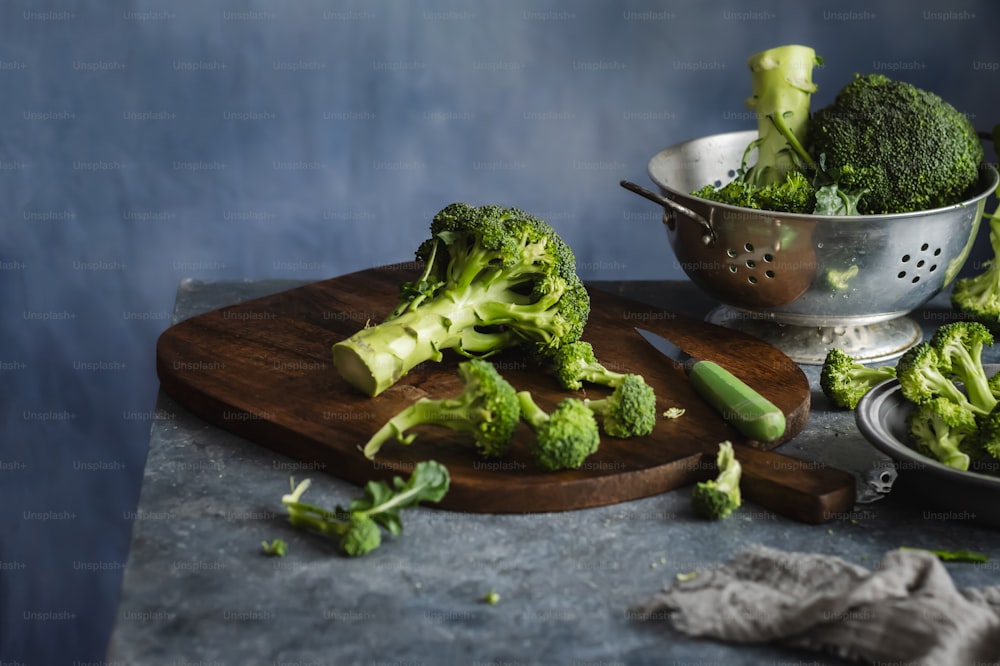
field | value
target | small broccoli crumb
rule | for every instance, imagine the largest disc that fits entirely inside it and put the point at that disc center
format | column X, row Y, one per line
column 685, row 577
column 492, row 598
column 277, row 548
column 674, row 413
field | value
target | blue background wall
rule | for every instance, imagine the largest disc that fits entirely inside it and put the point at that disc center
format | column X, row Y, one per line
column 146, row 142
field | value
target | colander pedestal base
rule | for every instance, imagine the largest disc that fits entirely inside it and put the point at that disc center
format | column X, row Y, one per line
column 808, row 345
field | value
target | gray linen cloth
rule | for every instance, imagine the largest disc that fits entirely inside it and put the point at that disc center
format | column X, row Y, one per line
column 907, row 610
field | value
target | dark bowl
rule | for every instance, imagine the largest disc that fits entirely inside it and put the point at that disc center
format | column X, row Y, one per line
column 946, row 492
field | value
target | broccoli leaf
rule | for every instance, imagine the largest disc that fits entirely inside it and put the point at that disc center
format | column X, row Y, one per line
column 428, row 483
column 357, row 527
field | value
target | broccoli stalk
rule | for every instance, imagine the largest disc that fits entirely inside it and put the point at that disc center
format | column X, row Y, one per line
column 781, row 87
column 717, row 498
column 959, row 346
column 628, row 412
column 564, row 438
column 844, row 381
column 939, row 427
column 358, row 527
column 487, row 408
column 494, row 278
column 575, row 363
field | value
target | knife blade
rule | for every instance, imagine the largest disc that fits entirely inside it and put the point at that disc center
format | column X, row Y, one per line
column 748, row 411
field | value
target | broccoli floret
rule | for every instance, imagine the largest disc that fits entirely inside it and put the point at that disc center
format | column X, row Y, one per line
column 939, row 427
column 994, row 384
column 717, row 498
column 844, row 381
column 628, row 412
column 908, row 148
column 921, row 378
column 959, row 346
column 795, row 194
column 358, row 527
column 362, row 536
column 487, row 408
column 564, row 438
column 987, row 438
column 781, row 87
column 978, row 296
column 575, row 363
column 494, row 278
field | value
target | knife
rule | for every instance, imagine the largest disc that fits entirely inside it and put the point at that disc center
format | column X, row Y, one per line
column 748, row 411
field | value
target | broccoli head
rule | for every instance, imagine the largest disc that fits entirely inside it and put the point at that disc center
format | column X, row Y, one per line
column 575, row 363
column 844, row 381
column 717, row 498
column 939, row 428
column 487, row 409
column 564, row 438
column 906, row 148
column 494, row 278
column 959, row 347
column 628, row 412
column 921, row 378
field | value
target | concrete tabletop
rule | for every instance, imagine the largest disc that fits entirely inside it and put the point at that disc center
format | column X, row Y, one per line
column 198, row 590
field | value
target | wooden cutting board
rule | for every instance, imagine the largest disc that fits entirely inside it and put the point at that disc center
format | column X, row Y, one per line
column 262, row 369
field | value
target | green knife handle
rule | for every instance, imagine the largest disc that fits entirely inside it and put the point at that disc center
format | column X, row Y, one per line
column 750, row 412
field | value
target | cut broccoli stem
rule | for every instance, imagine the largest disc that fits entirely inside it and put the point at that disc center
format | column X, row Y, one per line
column 781, row 87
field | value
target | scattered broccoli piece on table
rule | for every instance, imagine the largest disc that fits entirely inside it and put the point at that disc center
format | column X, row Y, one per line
column 358, row 527
column 494, row 278
column 628, row 412
column 906, row 147
column 491, row 597
column 575, row 363
column 487, row 408
column 844, row 380
column 673, row 413
column 717, row 498
column 276, row 548
column 564, row 438
column 940, row 429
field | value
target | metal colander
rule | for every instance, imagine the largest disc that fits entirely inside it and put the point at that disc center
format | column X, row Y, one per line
column 809, row 282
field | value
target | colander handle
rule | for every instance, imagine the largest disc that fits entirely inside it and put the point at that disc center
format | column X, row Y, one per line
column 673, row 209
